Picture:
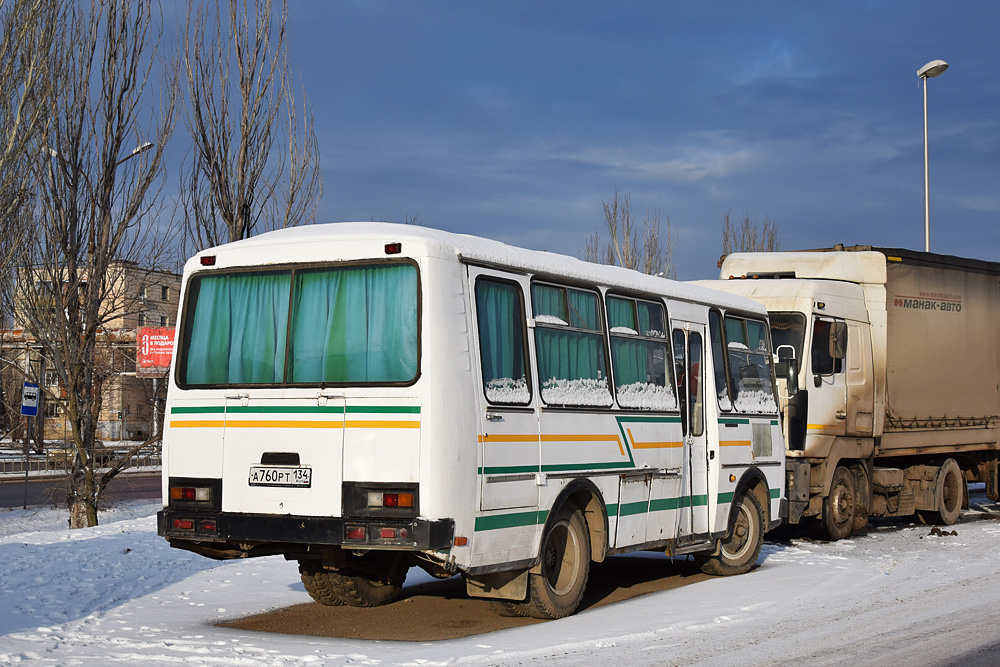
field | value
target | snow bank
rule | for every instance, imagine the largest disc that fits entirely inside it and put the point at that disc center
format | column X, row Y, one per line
column 117, row 594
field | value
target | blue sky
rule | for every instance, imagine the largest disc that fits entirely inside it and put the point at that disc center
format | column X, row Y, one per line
column 516, row 120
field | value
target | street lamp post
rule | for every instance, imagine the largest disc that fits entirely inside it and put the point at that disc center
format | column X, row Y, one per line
column 931, row 69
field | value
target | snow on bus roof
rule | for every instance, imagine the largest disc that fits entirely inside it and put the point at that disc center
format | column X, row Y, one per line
column 481, row 250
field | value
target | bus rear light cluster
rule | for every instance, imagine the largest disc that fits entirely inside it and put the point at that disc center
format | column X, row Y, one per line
column 389, row 499
column 183, row 524
column 189, row 494
column 209, row 526
column 359, row 533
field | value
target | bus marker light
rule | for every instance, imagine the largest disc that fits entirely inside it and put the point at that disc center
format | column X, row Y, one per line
column 387, row 533
column 393, row 248
column 208, row 526
column 461, row 541
column 208, row 260
column 183, row 524
column 732, row 478
column 355, row 533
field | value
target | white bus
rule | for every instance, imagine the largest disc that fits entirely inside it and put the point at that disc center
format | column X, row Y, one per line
column 363, row 398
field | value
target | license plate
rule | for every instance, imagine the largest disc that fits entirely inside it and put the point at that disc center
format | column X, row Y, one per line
column 276, row 476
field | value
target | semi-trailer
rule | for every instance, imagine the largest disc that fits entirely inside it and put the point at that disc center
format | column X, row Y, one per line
column 889, row 375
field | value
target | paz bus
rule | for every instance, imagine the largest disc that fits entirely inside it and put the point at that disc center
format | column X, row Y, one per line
column 363, row 398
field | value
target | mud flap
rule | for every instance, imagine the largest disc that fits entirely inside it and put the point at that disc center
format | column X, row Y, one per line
column 498, row 585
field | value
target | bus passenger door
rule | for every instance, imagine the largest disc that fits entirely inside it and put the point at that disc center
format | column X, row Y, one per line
column 689, row 357
column 508, row 429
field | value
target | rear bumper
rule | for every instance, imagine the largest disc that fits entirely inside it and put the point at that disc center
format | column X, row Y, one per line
column 233, row 530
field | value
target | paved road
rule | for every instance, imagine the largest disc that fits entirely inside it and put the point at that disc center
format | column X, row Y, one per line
column 53, row 491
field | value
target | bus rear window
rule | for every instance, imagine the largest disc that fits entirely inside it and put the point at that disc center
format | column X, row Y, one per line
column 343, row 325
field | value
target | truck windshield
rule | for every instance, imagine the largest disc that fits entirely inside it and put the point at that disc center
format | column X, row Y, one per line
column 787, row 329
column 329, row 325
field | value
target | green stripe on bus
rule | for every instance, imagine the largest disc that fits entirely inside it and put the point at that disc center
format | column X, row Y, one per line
column 734, row 421
column 728, row 497
column 386, row 409
column 554, row 467
column 501, row 470
column 662, row 504
column 532, row 518
column 628, row 509
column 655, row 420
column 198, row 410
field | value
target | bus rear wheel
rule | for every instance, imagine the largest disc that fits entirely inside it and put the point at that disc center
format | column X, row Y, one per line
column 740, row 548
column 556, row 588
column 332, row 588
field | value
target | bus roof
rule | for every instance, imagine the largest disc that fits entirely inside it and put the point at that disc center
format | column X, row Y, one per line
column 264, row 249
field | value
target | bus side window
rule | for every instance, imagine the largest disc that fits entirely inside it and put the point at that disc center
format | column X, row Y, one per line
column 569, row 346
column 719, row 361
column 500, row 318
column 639, row 354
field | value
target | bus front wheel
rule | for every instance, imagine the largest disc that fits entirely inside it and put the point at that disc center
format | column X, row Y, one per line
column 555, row 586
column 742, row 544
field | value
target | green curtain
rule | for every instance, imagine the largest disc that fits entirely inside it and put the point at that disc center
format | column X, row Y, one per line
column 355, row 325
column 546, row 300
column 583, row 310
column 501, row 323
column 237, row 333
column 621, row 313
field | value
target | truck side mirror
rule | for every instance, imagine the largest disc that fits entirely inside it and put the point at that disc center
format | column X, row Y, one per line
column 787, row 367
column 788, row 370
column 838, row 340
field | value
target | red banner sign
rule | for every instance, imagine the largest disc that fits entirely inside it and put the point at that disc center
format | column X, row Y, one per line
column 153, row 346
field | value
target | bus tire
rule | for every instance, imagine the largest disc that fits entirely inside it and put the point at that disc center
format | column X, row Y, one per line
column 556, row 588
column 949, row 493
column 839, row 506
column 334, row 589
column 741, row 546
column 508, row 608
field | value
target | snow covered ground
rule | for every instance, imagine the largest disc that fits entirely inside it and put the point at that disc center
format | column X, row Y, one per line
column 118, row 594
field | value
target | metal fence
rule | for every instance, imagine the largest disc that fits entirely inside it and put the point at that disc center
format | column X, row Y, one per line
column 58, row 459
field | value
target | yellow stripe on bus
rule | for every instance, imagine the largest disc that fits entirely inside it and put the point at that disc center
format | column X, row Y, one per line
column 508, row 438
column 286, row 423
column 650, row 445
column 734, row 443
column 383, row 424
column 194, row 423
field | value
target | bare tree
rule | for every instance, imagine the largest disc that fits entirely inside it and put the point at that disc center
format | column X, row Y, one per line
column 255, row 162
column 629, row 246
column 28, row 68
column 96, row 176
column 748, row 237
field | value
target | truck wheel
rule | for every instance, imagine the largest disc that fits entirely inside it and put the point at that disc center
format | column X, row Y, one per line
column 556, row 590
column 838, row 507
column 862, row 495
column 334, row 589
column 949, row 491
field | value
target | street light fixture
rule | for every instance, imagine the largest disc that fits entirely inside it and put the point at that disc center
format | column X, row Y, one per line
column 930, row 70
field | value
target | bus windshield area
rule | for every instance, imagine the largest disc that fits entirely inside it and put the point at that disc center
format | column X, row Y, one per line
column 293, row 326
